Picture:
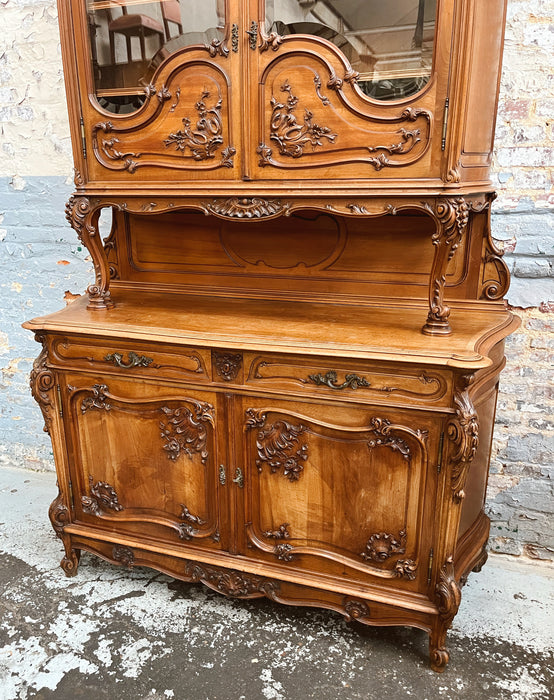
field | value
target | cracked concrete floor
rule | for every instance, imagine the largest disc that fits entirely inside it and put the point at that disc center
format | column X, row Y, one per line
column 120, row 634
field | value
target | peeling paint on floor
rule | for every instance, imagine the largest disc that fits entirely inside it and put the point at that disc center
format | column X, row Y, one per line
column 134, row 634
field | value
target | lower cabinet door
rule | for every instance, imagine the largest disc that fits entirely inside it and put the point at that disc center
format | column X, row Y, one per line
column 345, row 491
column 143, row 459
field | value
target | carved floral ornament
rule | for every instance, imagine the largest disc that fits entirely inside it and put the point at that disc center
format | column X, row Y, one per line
column 235, row 584
column 227, row 365
column 294, row 139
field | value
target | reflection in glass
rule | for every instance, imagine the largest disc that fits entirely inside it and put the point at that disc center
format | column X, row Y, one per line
column 389, row 42
column 130, row 38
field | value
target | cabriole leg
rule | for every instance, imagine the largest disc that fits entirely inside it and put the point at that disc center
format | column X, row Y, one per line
column 438, row 654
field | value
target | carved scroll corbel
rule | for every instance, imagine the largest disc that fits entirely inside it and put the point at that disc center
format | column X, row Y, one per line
column 42, row 386
column 452, row 216
column 83, row 219
column 496, row 276
column 463, row 432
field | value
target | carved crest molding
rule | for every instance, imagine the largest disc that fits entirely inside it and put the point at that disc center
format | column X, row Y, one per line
column 246, row 208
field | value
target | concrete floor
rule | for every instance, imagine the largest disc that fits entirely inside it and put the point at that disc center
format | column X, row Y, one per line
column 120, row 634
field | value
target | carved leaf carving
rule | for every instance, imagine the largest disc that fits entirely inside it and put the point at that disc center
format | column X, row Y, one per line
column 124, row 555
column 448, row 591
column 282, row 533
column 102, row 497
column 405, row 568
column 98, row 399
column 59, row 514
column 381, row 428
column 186, row 528
column 272, row 41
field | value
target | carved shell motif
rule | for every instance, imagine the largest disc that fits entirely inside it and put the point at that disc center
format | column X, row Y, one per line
column 382, row 545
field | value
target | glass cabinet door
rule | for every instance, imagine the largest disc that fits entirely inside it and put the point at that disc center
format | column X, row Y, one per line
column 129, row 39
column 390, row 44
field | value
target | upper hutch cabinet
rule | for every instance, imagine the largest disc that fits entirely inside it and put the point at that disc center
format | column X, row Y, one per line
column 229, row 92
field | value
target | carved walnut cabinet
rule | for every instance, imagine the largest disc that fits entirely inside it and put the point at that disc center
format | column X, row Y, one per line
column 282, row 381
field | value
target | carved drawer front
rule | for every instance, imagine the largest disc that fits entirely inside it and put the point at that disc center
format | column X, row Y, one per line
column 144, row 459
column 129, row 358
column 345, row 491
column 352, row 379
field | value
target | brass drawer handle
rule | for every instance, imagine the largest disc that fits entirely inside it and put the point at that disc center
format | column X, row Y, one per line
column 239, row 478
column 134, row 360
column 351, row 381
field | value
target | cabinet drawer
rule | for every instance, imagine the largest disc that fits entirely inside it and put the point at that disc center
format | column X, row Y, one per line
column 352, row 379
column 128, row 358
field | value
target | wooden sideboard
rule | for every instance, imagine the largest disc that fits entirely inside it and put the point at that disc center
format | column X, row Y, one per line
column 282, row 381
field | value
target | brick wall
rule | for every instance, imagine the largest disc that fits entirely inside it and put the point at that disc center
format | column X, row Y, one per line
column 40, row 257
column 520, row 496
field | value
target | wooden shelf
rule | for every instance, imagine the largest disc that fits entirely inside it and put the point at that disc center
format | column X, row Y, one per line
column 295, row 327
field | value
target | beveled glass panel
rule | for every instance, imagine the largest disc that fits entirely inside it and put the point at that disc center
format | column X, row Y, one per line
column 129, row 39
column 389, row 42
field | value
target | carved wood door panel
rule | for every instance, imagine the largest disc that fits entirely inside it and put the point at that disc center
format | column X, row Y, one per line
column 143, row 459
column 347, row 491
column 176, row 116
column 315, row 117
